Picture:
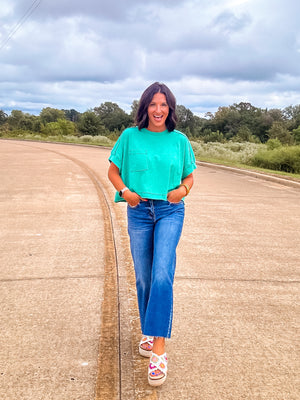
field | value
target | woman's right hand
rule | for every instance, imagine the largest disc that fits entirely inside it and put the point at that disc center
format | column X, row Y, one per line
column 132, row 198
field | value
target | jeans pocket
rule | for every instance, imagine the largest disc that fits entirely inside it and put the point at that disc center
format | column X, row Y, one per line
column 176, row 204
column 133, row 207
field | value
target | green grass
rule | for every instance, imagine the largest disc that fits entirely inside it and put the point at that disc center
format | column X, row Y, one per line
column 238, row 155
column 91, row 140
column 232, row 154
column 248, row 167
column 284, row 158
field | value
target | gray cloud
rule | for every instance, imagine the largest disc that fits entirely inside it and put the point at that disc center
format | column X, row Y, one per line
column 71, row 54
column 120, row 11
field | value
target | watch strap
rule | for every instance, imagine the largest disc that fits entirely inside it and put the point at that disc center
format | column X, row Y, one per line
column 121, row 192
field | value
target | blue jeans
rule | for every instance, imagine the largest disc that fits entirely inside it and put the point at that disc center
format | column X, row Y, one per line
column 154, row 227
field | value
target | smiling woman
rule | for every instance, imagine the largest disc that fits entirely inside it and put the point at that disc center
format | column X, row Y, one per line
column 157, row 108
column 158, row 111
column 152, row 170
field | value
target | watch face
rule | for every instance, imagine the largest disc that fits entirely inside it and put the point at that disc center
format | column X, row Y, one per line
column 122, row 191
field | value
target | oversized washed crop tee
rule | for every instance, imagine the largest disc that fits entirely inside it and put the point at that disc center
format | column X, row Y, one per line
column 152, row 164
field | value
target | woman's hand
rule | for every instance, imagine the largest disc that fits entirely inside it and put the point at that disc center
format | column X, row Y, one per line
column 177, row 194
column 132, row 198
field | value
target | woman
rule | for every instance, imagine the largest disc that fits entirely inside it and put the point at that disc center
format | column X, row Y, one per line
column 151, row 168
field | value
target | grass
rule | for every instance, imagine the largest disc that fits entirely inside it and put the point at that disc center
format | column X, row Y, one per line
column 87, row 139
column 232, row 154
column 248, row 167
column 238, row 155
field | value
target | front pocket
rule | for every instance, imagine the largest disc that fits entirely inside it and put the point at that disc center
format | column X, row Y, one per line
column 133, row 206
column 175, row 204
column 138, row 161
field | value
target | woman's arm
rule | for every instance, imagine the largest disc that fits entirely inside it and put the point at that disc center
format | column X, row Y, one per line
column 114, row 177
column 176, row 195
column 132, row 198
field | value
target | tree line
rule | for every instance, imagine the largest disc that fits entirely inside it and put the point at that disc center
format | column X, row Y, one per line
column 237, row 122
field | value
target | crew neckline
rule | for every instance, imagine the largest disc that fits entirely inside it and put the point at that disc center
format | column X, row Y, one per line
column 165, row 132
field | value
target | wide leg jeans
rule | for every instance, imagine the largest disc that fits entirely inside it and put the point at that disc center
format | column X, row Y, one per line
column 155, row 227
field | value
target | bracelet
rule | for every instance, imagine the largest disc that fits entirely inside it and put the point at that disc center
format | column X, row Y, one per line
column 186, row 187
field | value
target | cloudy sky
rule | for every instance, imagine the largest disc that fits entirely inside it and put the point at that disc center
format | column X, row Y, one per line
column 211, row 53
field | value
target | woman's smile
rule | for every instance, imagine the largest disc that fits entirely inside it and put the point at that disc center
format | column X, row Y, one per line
column 158, row 111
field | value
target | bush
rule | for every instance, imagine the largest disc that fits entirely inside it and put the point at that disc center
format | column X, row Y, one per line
column 235, row 152
column 61, row 127
column 4, row 129
column 273, row 144
column 86, row 138
column 90, row 124
column 99, row 140
column 103, row 140
column 213, row 137
column 285, row 158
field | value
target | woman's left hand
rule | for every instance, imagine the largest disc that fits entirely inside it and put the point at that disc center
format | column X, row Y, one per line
column 177, row 194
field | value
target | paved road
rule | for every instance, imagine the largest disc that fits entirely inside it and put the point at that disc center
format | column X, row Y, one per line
column 236, row 311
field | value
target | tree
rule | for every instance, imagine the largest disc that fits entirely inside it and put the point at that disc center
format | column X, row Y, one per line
column 276, row 114
column 226, row 120
column 112, row 116
column 90, row 124
column 292, row 115
column 49, row 114
column 279, row 131
column 3, row 117
column 250, row 117
column 72, row 115
column 25, row 121
column 14, row 119
column 186, row 120
column 266, row 120
column 296, row 135
column 244, row 134
column 243, row 120
column 134, row 109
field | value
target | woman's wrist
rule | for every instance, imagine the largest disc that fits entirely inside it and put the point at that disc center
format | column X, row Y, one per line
column 126, row 194
column 181, row 190
column 185, row 187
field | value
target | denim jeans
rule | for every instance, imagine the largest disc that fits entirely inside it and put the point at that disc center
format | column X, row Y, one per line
column 154, row 227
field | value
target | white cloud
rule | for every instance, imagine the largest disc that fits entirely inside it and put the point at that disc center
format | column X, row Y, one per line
column 210, row 53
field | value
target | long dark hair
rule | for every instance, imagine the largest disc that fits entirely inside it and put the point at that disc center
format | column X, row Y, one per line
column 142, row 119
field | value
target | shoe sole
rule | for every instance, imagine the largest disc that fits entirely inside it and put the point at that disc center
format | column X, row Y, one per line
column 145, row 353
column 156, row 382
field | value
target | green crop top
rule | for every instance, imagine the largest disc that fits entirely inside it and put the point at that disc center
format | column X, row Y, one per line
column 152, row 163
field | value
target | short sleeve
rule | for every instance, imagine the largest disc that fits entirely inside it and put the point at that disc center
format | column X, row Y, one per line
column 189, row 160
column 116, row 155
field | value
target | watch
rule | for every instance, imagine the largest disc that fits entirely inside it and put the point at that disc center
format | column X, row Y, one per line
column 122, row 191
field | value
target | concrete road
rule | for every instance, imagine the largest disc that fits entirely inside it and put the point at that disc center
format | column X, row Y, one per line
column 236, row 311
column 51, row 253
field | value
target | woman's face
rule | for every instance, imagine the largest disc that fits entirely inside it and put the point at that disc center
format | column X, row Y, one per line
column 158, row 111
